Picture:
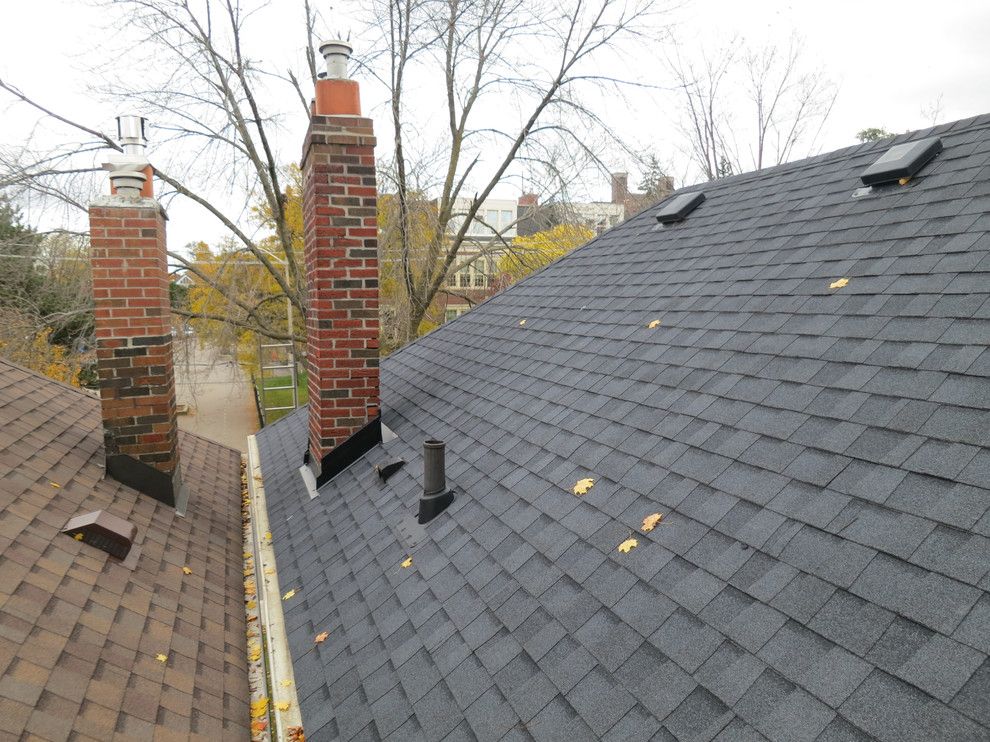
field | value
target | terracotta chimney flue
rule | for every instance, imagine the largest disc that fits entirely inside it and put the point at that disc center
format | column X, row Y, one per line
column 336, row 95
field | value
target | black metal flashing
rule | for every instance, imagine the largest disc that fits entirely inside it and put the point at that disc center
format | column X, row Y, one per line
column 676, row 209
column 146, row 479
column 349, row 451
column 901, row 161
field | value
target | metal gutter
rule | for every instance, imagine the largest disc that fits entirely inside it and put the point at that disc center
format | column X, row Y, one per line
column 287, row 723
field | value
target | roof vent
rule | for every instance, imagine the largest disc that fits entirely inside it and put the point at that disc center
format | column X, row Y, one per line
column 676, row 209
column 104, row 531
column 385, row 471
column 436, row 497
column 902, row 161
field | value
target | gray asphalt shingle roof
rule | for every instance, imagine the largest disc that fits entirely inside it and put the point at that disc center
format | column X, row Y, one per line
column 820, row 456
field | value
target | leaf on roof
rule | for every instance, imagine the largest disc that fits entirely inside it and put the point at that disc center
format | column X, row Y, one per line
column 248, row 555
column 522, row 322
column 268, row 536
column 78, row 536
column 249, row 588
column 839, row 284
column 259, row 708
column 407, row 562
column 654, row 324
column 259, row 725
column 251, row 605
column 289, row 594
column 582, row 486
column 56, row 485
column 187, row 570
column 650, row 522
column 269, row 571
column 283, row 705
column 628, row 545
column 254, row 651
column 321, row 637
column 286, row 683
column 295, row 734
column 161, row 657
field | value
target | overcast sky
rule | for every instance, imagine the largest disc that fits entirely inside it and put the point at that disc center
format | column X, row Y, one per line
column 891, row 61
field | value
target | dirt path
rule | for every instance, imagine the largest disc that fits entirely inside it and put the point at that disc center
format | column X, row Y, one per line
column 219, row 396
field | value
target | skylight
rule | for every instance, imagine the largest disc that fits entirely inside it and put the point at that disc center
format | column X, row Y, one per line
column 676, row 209
column 902, row 161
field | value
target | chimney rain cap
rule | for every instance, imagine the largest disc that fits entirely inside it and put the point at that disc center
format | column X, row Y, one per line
column 336, row 53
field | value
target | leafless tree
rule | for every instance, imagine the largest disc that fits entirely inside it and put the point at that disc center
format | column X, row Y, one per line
column 206, row 98
column 532, row 59
column 746, row 109
column 487, row 60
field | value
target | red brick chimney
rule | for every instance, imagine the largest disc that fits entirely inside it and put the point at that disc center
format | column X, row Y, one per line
column 133, row 328
column 620, row 187
column 341, row 235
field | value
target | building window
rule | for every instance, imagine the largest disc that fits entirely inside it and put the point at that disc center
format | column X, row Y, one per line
column 506, row 218
column 465, row 280
column 451, row 279
column 479, row 280
column 449, row 315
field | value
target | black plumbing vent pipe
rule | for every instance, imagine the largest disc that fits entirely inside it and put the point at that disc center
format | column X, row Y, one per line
column 436, row 497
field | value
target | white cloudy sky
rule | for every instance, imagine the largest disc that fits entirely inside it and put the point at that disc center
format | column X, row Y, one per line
column 891, row 60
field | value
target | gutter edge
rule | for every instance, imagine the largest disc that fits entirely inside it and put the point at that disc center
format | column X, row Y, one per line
column 280, row 677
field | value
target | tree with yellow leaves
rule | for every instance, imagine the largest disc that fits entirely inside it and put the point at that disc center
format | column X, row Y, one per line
column 532, row 252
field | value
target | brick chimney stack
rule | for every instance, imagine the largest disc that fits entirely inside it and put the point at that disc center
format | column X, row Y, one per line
column 133, row 327
column 620, row 187
column 341, row 236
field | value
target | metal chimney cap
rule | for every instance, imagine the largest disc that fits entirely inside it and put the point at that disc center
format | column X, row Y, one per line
column 128, row 182
column 131, row 134
column 336, row 53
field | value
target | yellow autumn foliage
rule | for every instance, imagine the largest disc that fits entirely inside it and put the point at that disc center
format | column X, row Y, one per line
column 532, row 252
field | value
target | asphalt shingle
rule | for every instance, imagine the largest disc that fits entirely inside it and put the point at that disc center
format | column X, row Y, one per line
column 819, row 457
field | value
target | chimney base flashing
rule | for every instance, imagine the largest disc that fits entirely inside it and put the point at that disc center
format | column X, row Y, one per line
column 166, row 488
column 342, row 456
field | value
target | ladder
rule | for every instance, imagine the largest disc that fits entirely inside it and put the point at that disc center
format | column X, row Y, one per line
column 277, row 358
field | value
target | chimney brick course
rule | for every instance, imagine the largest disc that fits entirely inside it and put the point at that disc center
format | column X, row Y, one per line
column 134, row 342
column 341, row 236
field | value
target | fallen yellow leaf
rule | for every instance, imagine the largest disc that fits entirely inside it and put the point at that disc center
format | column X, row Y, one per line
column 583, row 485
column 654, row 324
column 321, row 637
column 248, row 556
column 628, row 545
column 259, row 708
column 283, row 705
column 254, row 652
column 289, row 594
column 78, row 536
column 286, row 683
column 259, row 726
column 268, row 535
column 161, row 657
column 269, row 571
column 650, row 522
column 839, row 284
column 251, row 605
column 187, row 570
column 407, row 562
column 56, row 485
column 522, row 322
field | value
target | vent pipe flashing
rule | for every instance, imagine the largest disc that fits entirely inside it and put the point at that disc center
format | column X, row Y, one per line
column 436, row 497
